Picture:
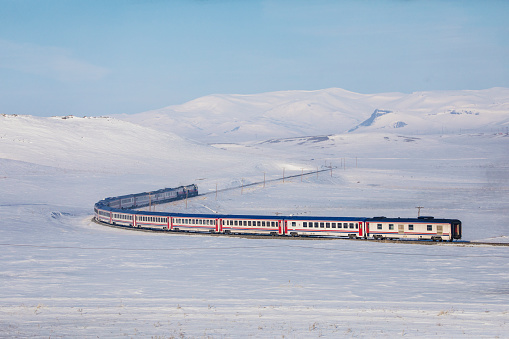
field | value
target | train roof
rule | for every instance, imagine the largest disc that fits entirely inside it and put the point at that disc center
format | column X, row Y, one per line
column 103, row 204
column 423, row 220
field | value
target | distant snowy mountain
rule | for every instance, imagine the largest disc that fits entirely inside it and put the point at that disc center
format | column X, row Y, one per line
column 237, row 118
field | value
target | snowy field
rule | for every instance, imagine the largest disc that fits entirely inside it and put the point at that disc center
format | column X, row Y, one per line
column 64, row 276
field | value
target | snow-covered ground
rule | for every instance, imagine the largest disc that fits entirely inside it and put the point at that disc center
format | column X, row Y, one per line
column 64, row 276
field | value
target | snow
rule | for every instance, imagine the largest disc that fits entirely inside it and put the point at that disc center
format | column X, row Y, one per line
column 65, row 276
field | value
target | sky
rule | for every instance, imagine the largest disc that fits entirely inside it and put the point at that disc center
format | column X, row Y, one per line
column 91, row 58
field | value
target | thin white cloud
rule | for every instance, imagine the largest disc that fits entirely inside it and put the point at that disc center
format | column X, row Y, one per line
column 53, row 62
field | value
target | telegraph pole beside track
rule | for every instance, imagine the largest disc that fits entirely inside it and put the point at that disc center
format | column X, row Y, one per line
column 419, row 211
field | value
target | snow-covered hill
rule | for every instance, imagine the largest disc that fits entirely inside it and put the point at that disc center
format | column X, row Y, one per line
column 236, row 118
column 101, row 144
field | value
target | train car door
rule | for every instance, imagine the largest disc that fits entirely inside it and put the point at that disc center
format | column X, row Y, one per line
column 282, row 227
column 456, row 230
column 401, row 229
column 360, row 229
column 219, row 225
column 440, row 229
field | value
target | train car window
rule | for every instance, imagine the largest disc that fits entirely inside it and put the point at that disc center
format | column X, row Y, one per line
column 333, row 225
column 294, row 223
column 258, row 223
column 304, row 224
column 327, row 225
column 263, row 223
column 356, row 226
column 249, row 222
column 322, row 225
column 430, row 228
column 379, row 226
column 391, row 226
column 345, row 225
column 236, row 223
column 351, row 225
column 316, row 225
column 410, row 227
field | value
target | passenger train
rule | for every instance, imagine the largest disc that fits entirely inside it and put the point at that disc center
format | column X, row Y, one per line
column 122, row 211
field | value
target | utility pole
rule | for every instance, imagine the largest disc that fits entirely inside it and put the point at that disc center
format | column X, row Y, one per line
column 419, row 211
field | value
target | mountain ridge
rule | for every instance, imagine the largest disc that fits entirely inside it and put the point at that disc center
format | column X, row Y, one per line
column 247, row 117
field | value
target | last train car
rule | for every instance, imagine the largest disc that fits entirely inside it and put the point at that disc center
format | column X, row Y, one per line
column 422, row 228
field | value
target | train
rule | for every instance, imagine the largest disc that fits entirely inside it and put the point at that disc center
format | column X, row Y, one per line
column 122, row 211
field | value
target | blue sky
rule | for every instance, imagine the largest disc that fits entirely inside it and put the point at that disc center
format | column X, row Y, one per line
column 128, row 56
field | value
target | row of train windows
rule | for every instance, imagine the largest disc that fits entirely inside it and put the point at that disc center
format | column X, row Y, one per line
column 249, row 223
column 104, row 214
column 195, row 221
column 151, row 219
column 410, row 227
column 328, row 225
column 122, row 216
